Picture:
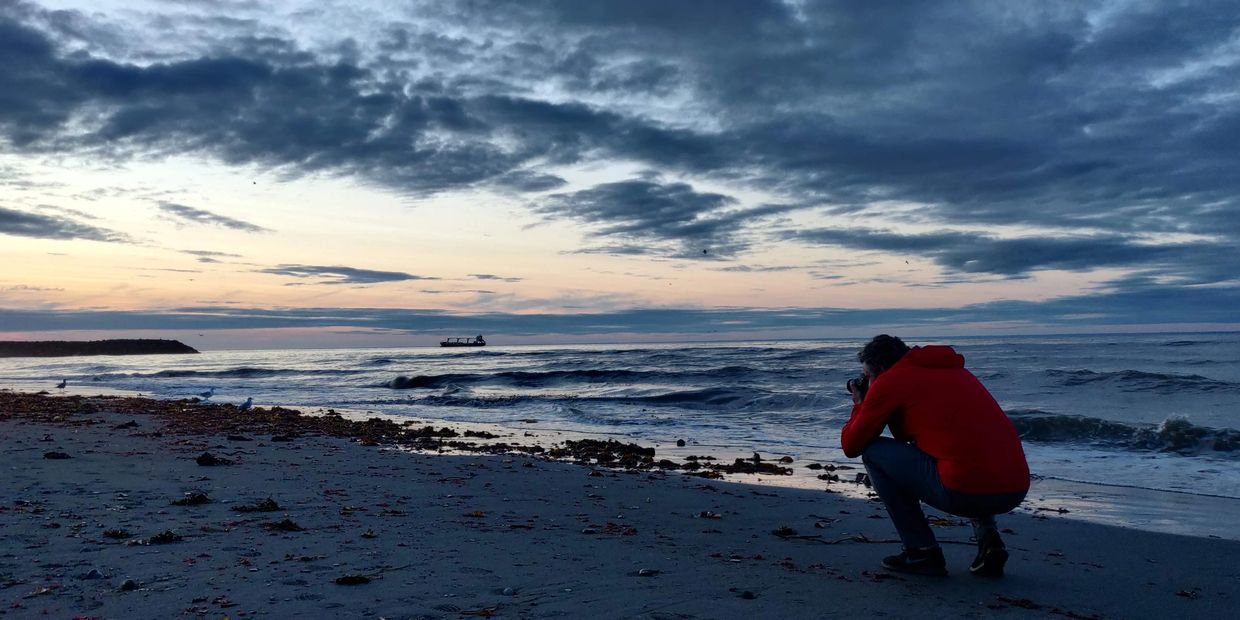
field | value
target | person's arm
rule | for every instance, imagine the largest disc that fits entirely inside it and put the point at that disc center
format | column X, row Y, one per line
column 869, row 417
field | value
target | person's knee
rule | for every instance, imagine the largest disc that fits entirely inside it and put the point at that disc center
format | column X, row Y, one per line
column 869, row 456
column 875, row 452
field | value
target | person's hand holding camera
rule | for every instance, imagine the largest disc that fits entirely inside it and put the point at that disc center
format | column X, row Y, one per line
column 858, row 387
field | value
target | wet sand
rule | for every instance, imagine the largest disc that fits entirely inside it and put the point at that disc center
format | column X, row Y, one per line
column 362, row 528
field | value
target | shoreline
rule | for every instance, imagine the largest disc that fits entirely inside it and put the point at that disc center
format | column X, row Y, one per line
column 369, row 530
column 1136, row 507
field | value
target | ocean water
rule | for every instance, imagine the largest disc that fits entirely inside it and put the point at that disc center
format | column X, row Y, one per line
column 1138, row 430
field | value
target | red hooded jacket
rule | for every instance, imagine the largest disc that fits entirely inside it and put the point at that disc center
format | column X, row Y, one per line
column 930, row 400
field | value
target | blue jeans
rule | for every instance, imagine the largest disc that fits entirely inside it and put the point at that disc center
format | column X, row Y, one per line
column 904, row 476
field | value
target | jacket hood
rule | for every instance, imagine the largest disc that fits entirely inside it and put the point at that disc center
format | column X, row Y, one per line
column 933, row 356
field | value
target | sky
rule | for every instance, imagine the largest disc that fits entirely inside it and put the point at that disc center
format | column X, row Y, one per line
column 237, row 173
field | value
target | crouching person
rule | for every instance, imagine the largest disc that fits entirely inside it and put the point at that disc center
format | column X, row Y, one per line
column 953, row 449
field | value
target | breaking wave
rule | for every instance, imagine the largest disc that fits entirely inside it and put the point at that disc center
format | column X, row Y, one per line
column 1175, row 434
column 244, row 372
column 551, row 378
column 1138, row 381
column 719, row 399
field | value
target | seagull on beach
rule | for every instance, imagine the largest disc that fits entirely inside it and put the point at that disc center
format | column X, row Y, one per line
column 62, row 384
column 249, row 402
column 207, row 394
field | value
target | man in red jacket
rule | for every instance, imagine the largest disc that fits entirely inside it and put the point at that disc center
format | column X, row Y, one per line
column 953, row 449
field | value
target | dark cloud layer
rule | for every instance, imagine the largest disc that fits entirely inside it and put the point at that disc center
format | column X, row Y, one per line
column 696, row 223
column 182, row 213
column 647, row 210
column 976, row 253
column 23, row 224
column 1113, row 118
column 321, row 274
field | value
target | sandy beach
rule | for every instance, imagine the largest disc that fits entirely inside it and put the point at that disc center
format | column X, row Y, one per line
column 108, row 513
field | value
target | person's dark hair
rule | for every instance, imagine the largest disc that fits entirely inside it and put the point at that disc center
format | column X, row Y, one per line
column 883, row 352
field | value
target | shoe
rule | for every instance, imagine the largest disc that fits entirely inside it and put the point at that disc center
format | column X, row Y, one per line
column 991, row 556
column 918, row 562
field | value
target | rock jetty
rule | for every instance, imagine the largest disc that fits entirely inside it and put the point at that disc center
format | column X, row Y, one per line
column 65, row 348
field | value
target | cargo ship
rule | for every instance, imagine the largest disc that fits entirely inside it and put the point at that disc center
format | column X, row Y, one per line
column 464, row 342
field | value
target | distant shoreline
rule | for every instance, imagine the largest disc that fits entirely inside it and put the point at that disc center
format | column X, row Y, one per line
column 69, row 348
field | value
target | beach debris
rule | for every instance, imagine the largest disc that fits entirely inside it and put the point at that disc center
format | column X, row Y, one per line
column 862, row 478
column 192, row 498
column 91, row 574
column 364, row 578
column 745, row 594
column 206, row 459
column 223, row 601
column 55, row 456
column 706, row 514
column 785, row 459
column 751, row 466
column 647, row 572
column 509, row 591
column 1002, row 601
column 285, row 525
column 238, row 438
column 266, row 505
column 813, row 466
column 288, row 557
column 1062, row 511
column 118, row 533
column 1190, row 593
column 369, row 534
column 43, row 590
column 164, row 537
column 784, row 532
column 880, row 576
column 129, row 424
column 709, row 474
column 610, row 453
column 680, row 443
column 128, row 585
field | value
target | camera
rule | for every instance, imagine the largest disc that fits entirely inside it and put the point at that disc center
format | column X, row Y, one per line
column 861, row 384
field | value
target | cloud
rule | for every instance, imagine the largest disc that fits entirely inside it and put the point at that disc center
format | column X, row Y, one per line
column 488, row 276
column 1116, row 118
column 182, row 213
column 449, row 292
column 529, row 181
column 23, row 224
column 341, row 275
column 697, row 224
column 977, row 253
column 25, row 288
